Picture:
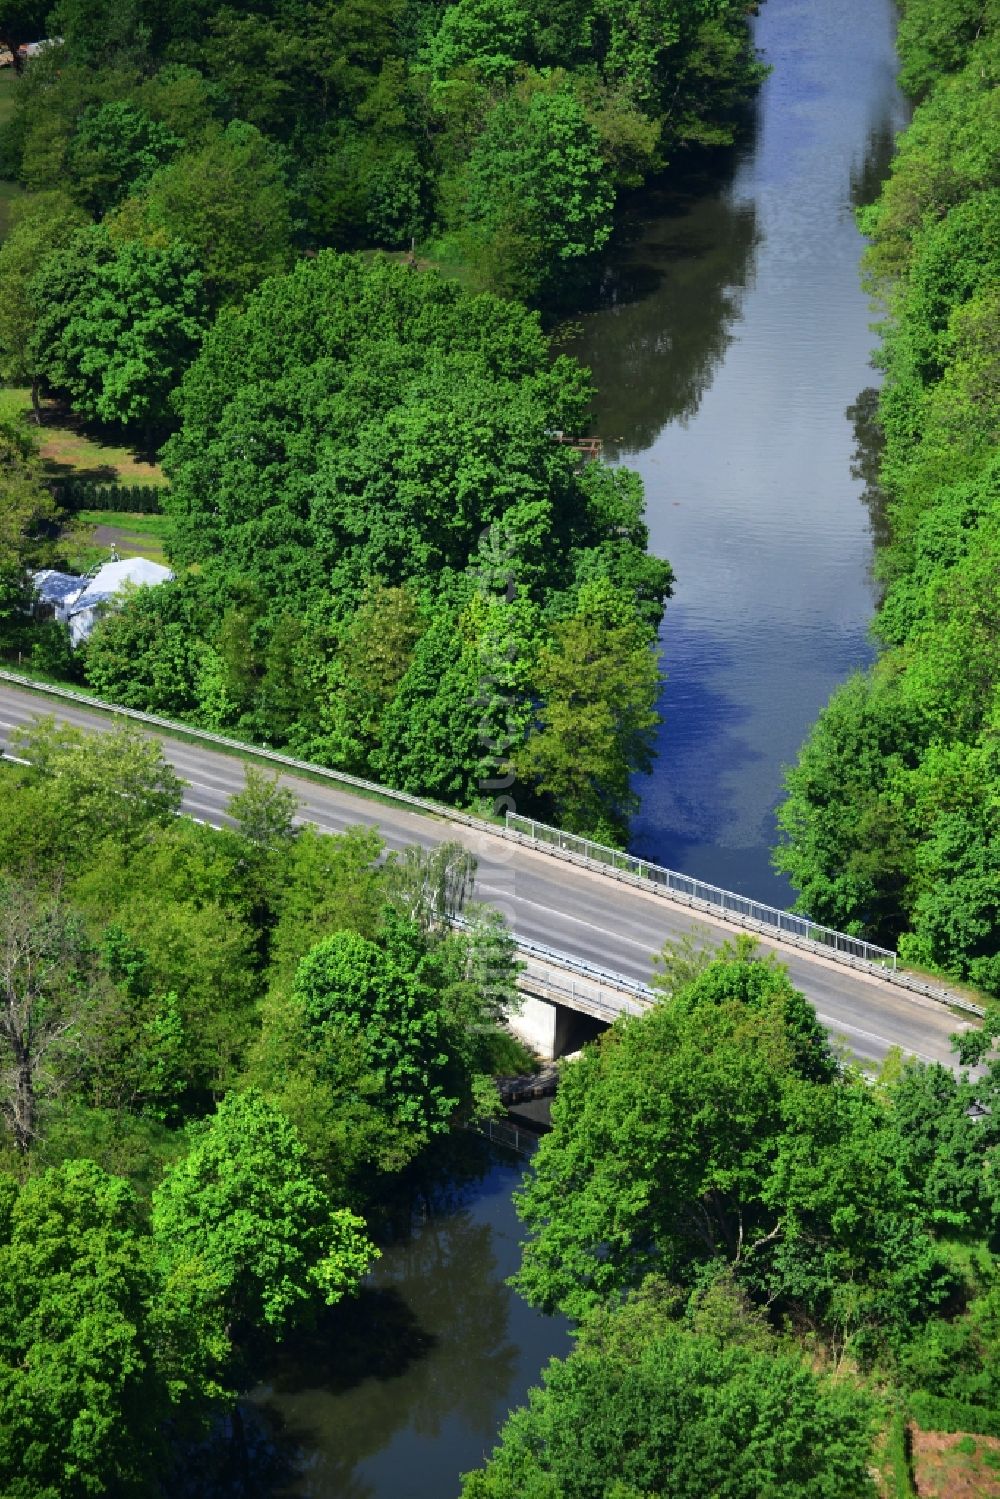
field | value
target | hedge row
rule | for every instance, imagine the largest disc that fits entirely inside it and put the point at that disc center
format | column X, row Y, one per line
column 937, row 1413
column 85, row 494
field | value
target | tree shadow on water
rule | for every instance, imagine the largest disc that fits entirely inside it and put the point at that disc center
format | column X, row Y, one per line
column 373, row 1335
column 423, row 1354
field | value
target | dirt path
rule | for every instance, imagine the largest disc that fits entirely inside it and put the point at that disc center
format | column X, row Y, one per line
column 949, row 1465
column 129, row 543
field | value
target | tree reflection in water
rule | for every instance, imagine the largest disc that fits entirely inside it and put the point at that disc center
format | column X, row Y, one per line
column 669, row 306
column 865, row 461
column 402, row 1389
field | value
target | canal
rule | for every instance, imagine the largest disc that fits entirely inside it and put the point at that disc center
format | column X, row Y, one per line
column 731, row 340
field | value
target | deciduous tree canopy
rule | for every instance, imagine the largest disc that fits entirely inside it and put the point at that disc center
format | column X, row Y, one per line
column 504, row 131
column 397, row 568
column 654, row 1402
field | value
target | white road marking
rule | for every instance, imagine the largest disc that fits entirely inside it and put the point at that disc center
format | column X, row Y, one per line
column 838, row 1027
column 567, row 916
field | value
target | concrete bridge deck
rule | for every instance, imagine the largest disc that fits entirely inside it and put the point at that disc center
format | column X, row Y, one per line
column 592, row 918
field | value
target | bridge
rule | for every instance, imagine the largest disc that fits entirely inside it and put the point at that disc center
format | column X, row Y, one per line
column 588, row 931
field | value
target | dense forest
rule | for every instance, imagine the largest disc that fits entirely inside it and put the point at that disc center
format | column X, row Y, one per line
column 892, row 813
column 388, row 557
column 497, row 135
column 219, row 1051
column 774, row 1261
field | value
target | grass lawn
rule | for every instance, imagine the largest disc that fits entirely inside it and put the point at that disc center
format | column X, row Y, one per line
column 442, row 255
column 127, row 520
column 68, row 450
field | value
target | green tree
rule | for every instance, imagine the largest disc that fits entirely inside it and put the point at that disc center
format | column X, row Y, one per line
column 340, row 356
column 116, row 325
column 430, row 886
column 619, row 1191
column 331, row 884
column 40, row 223
column 51, row 1003
column 115, row 784
column 935, row 39
column 947, row 1142
column 82, row 1402
column 382, row 994
column 715, row 1131
column 432, row 741
column 952, row 1366
column 384, row 1039
column 948, row 152
column 264, row 811
column 147, row 650
column 374, row 656
column 228, row 202
column 411, row 517
column 101, row 32
column 185, row 901
column 28, row 515
column 848, row 849
column 490, row 38
column 889, row 824
column 115, row 150
column 649, row 1404
column 243, row 1209
column 597, row 682
column 535, row 204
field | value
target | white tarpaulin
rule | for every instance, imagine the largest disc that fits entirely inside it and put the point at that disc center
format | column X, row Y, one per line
column 78, row 600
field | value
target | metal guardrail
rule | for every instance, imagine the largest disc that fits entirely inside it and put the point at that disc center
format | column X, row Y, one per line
column 602, row 1001
column 241, row 746
column 597, row 857
column 618, row 867
column 596, row 991
column 502, row 1132
column 726, row 903
column 606, row 976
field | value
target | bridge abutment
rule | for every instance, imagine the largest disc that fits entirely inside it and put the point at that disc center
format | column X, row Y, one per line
column 551, row 1030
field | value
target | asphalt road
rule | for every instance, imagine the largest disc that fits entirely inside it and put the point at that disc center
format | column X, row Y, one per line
column 587, row 915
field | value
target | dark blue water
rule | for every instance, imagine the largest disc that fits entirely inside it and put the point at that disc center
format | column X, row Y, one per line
column 425, row 1372
column 733, row 339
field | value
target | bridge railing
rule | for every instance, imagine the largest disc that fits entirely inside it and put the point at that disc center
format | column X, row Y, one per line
column 604, row 998
column 584, row 986
column 727, row 903
column 697, row 894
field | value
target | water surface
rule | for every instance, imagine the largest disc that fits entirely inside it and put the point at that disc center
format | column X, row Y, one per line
column 422, row 1371
column 733, row 337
